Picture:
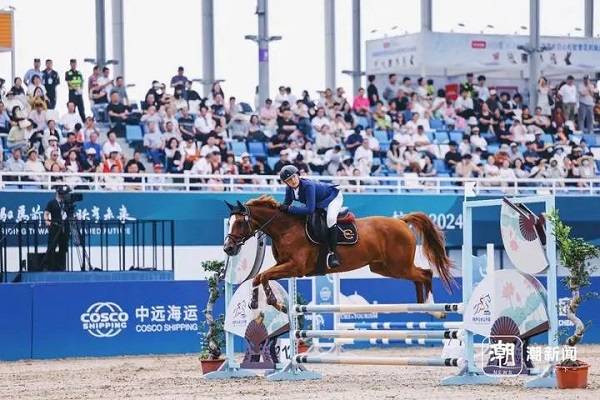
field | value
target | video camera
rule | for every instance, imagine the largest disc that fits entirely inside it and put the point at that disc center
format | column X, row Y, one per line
column 65, row 194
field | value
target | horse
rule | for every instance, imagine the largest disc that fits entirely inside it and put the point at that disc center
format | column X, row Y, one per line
column 387, row 245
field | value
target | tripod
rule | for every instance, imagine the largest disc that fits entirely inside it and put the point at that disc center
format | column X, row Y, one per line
column 77, row 239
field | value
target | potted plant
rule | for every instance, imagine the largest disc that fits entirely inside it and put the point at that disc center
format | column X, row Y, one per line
column 303, row 344
column 213, row 338
column 575, row 254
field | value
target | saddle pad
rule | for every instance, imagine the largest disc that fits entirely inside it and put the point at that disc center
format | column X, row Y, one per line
column 347, row 235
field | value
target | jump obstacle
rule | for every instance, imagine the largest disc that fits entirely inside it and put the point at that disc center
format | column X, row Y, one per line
column 385, row 332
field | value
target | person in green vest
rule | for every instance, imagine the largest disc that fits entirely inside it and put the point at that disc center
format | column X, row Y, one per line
column 74, row 80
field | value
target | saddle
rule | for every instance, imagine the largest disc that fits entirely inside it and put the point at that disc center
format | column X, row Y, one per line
column 316, row 227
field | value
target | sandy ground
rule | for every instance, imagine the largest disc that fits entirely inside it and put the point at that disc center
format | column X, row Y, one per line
column 179, row 377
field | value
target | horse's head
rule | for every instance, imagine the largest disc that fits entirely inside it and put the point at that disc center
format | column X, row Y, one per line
column 240, row 228
column 246, row 219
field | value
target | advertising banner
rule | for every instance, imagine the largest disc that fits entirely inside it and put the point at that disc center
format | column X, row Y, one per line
column 117, row 318
column 198, row 216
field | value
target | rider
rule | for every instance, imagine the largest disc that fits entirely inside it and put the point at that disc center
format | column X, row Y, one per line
column 313, row 194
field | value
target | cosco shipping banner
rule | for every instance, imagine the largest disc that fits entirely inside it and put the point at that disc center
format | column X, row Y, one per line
column 198, row 216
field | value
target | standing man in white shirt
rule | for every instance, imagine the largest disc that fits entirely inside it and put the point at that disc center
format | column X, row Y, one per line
column 568, row 94
column 586, row 106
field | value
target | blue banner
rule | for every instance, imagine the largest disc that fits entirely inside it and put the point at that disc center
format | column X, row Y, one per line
column 198, row 215
column 117, row 318
column 15, row 322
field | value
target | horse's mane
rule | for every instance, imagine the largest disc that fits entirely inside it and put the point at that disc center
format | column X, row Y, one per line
column 264, row 200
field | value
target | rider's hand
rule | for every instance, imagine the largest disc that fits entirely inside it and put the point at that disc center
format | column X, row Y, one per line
column 284, row 207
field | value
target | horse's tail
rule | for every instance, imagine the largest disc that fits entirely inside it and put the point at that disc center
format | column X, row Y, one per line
column 433, row 240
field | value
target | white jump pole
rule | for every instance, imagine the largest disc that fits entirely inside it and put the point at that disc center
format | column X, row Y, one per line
column 401, row 361
column 381, row 308
column 379, row 334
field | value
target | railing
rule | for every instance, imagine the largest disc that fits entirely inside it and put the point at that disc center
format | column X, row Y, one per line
column 93, row 245
column 393, row 184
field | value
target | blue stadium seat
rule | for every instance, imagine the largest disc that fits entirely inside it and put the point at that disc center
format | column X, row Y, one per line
column 363, row 121
column 547, row 138
column 271, row 161
column 441, row 137
column 238, row 148
column 493, row 148
column 456, row 136
column 431, row 136
column 257, row 148
column 490, row 137
column 384, row 146
column 590, row 140
column 436, row 124
column 440, row 166
column 133, row 133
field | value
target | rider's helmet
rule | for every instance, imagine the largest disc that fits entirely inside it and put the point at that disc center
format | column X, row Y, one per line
column 287, row 172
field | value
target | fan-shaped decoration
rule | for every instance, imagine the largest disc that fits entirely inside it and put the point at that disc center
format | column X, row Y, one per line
column 260, row 348
column 523, row 238
column 508, row 293
column 503, row 328
column 248, row 262
column 239, row 314
column 506, row 349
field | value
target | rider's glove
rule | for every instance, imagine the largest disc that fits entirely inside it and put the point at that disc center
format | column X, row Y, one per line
column 284, row 207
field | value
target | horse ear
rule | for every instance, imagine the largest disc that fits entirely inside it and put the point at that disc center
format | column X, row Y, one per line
column 229, row 205
column 241, row 207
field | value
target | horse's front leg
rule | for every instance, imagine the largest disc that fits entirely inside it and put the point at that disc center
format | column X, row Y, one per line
column 254, row 296
column 279, row 271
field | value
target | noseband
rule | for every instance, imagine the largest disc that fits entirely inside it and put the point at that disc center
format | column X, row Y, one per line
column 240, row 240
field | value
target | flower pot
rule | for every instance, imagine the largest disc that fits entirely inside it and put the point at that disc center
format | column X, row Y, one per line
column 211, row 365
column 303, row 348
column 572, row 377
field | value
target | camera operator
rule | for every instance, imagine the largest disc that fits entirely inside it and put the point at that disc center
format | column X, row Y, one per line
column 56, row 216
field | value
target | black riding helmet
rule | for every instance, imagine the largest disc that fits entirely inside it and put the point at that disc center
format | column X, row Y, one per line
column 287, row 172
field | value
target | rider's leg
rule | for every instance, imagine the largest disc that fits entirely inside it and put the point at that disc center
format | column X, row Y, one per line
column 333, row 209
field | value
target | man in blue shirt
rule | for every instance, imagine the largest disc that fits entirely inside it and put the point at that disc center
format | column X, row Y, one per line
column 313, row 194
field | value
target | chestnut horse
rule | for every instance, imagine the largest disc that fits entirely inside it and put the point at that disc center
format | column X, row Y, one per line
column 387, row 245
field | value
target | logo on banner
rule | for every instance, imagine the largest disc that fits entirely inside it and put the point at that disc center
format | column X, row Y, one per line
column 563, row 309
column 478, row 44
column 483, row 306
column 104, row 319
column 325, row 293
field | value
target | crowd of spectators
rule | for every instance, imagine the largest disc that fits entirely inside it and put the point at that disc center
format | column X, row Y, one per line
column 393, row 128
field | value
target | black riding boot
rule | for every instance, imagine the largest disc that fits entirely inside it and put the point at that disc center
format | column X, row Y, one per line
column 332, row 258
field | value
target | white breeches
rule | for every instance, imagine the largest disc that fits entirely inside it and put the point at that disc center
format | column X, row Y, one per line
column 333, row 209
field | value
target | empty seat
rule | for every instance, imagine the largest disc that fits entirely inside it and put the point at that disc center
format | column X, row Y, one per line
column 133, row 133
column 436, row 124
column 257, row 148
column 440, row 166
column 456, row 136
column 441, row 137
column 238, row 148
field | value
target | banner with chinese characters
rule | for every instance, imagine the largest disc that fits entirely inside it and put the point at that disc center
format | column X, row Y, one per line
column 199, row 216
column 448, row 54
column 117, row 318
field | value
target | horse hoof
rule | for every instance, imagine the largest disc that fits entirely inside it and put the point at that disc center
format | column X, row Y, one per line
column 253, row 304
column 439, row 315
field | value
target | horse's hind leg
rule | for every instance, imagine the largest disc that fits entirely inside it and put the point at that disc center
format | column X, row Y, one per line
column 426, row 284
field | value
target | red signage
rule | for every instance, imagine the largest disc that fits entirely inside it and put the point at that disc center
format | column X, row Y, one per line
column 478, row 44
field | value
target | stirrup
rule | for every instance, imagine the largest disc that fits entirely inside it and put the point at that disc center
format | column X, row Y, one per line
column 332, row 254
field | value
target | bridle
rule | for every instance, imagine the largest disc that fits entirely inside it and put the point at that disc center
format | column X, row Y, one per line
column 240, row 240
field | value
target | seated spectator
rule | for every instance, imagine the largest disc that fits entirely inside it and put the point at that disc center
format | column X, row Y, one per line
column 531, row 155
column 301, row 165
column 113, row 160
column 261, row 168
column 154, row 144
column 152, row 115
column 133, row 183
column 514, row 153
column 237, row 127
column 487, row 120
column 268, row 115
column 382, row 120
column 401, row 135
column 92, row 143
column 519, row 132
column 111, row 144
column 112, row 180
column 394, row 159
column 412, row 158
column 332, row 160
column 171, row 132
column 190, row 153
column 255, row 132
column 587, row 169
column 491, row 171
column 354, row 141
column 211, row 146
column 561, row 137
column 117, row 114
column 18, row 136
column 467, row 169
column 73, row 168
column 339, row 127
column 284, row 160
column 556, row 170
column 90, row 163
column 503, row 134
column 519, row 168
column 70, row 144
column 54, row 157
column 465, row 145
column 361, row 105
column 363, row 158
column 464, row 105
column 415, row 122
column 325, row 140
column 502, row 154
column 173, row 155
column 71, row 118
column 14, row 164
column 33, row 165
column 506, row 173
column 38, row 114
column 169, row 116
column 320, row 120
column 452, row 156
column 427, row 170
column 276, row 144
column 478, row 141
